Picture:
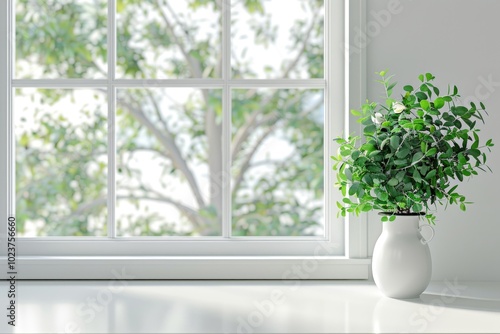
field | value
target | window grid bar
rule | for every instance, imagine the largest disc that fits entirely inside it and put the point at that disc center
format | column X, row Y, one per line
column 226, row 121
column 194, row 83
column 178, row 238
column 111, row 91
column 327, row 135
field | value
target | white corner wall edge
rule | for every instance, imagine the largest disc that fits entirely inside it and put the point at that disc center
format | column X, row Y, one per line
column 4, row 123
column 188, row 267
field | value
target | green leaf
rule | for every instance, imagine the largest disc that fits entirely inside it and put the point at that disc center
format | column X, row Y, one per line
column 423, row 146
column 346, row 200
column 345, row 152
column 368, row 180
column 348, row 174
column 438, row 103
column 416, row 157
column 356, row 113
column 462, row 207
column 416, row 207
column 400, row 175
column 367, row 147
column 360, row 192
column 421, row 95
column 459, row 111
column 353, row 189
column 402, row 153
column 474, row 152
column 476, row 136
column 373, row 153
column 416, row 176
column 431, row 152
column 425, row 105
column 452, row 189
column 360, row 161
column 393, row 182
column 383, row 196
column 462, row 158
column 409, row 125
column 408, row 88
column 370, row 129
column 391, row 86
column 366, row 207
column 421, row 77
column 395, row 142
column 431, row 174
column 424, row 88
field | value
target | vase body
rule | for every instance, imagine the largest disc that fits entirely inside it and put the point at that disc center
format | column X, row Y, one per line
column 401, row 262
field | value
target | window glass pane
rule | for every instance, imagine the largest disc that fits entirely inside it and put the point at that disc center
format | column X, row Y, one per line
column 169, row 162
column 61, row 162
column 165, row 39
column 277, row 39
column 277, row 167
column 61, row 39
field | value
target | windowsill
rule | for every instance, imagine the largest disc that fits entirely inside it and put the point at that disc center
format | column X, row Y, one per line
column 190, row 267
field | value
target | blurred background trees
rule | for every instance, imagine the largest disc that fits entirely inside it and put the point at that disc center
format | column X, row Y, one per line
column 169, row 140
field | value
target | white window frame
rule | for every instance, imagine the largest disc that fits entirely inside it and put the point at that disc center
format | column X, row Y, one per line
column 338, row 255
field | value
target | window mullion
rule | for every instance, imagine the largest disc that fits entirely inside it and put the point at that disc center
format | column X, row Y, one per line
column 226, row 120
column 327, row 134
column 111, row 91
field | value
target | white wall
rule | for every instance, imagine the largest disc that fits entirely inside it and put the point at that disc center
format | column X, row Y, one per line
column 459, row 42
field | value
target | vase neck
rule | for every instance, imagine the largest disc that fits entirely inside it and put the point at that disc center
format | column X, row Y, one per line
column 402, row 224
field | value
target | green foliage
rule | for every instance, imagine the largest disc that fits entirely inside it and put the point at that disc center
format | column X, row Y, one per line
column 61, row 168
column 55, row 34
column 414, row 148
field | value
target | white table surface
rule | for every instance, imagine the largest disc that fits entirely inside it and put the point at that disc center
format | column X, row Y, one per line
column 248, row 307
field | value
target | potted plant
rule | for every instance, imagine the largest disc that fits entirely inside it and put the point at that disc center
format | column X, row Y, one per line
column 414, row 150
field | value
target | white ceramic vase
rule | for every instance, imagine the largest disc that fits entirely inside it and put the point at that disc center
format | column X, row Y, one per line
column 401, row 262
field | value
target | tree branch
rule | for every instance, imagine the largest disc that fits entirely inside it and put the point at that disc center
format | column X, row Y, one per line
column 246, row 162
column 305, row 40
column 212, row 129
column 253, row 123
column 242, row 134
column 168, row 142
column 156, row 108
column 193, row 64
column 248, row 158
